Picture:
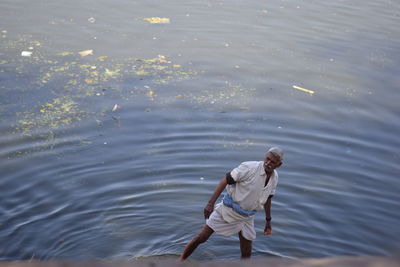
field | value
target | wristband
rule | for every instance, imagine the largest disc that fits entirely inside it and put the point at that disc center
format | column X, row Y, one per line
column 268, row 219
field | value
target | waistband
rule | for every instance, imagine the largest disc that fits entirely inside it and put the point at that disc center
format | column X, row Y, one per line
column 228, row 201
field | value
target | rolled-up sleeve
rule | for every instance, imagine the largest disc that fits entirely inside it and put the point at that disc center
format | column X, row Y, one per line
column 240, row 172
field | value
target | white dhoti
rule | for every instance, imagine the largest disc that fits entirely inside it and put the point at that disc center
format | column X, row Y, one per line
column 220, row 226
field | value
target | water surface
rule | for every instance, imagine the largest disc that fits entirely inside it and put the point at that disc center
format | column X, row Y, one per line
column 195, row 97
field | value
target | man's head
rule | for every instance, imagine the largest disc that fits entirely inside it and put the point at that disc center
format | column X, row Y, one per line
column 273, row 159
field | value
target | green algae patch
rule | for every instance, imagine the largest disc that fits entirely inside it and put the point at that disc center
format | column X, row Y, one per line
column 64, row 54
column 230, row 95
column 56, row 91
column 161, row 70
column 60, row 113
column 62, row 82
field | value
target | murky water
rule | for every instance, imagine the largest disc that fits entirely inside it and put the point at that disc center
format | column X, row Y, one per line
column 114, row 154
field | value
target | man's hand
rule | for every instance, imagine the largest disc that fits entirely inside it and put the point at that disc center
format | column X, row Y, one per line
column 208, row 210
column 268, row 228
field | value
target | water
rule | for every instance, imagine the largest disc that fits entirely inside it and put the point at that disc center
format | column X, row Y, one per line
column 199, row 95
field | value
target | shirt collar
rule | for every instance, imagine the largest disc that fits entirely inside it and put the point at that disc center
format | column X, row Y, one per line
column 262, row 171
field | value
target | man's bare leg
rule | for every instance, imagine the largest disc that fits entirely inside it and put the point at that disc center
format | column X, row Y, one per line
column 201, row 237
column 245, row 246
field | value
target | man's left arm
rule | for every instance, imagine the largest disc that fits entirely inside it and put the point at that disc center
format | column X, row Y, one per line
column 267, row 209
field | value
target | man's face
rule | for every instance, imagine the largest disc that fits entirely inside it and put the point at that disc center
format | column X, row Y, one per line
column 271, row 162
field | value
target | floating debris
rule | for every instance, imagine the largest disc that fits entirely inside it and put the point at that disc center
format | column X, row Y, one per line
column 64, row 54
column 65, row 84
column 157, row 20
column 26, row 53
column 150, row 94
column 111, row 72
column 61, row 112
column 116, row 107
column 303, row 89
column 86, row 53
column 92, row 20
column 102, row 58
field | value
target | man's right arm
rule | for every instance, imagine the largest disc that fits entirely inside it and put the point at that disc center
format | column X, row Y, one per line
column 217, row 192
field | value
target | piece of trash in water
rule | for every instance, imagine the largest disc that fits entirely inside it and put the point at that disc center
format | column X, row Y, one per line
column 116, row 107
column 64, row 54
column 111, row 72
column 102, row 58
column 303, row 89
column 157, row 20
column 86, row 53
column 151, row 94
column 92, row 20
column 26, row 53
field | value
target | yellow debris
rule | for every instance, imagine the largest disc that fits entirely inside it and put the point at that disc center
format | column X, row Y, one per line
column 112, row 72
column 161, row 58
column 157, row 20
column 303, row 89
column 86, row 53
column 64, row 54
column 102, row 58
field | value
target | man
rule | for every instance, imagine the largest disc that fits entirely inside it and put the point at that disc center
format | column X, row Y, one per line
column 250, row 187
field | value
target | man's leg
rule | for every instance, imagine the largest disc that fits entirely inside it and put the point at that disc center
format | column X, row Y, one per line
column 201, row 237
column 245, row 246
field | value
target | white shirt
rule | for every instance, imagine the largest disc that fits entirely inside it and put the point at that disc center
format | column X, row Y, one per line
column 249, row 190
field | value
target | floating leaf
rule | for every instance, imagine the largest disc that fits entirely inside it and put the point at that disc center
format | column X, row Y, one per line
column 64, row 54
column 102, row 58
column 157, row 20
column 112, row 72
column 86, row 53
